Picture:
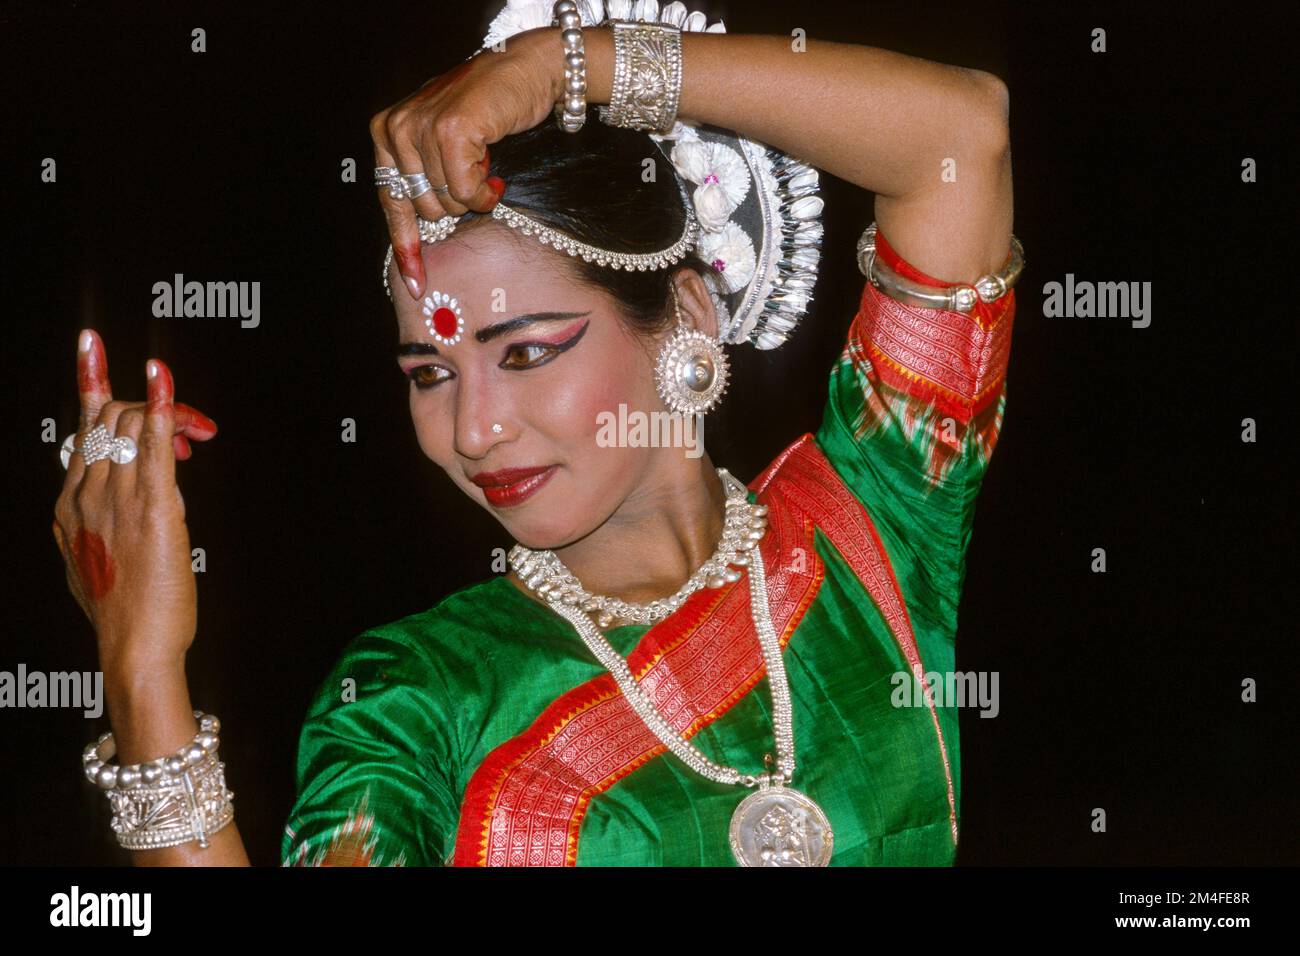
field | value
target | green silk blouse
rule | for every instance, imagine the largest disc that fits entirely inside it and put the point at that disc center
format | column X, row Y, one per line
column 482, row 732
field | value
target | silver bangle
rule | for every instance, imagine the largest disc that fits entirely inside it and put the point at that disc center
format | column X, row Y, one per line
column 953, row 298
column 571, row 110
column 169, row 801
column 107, row 777
column 191, row 807
column 647, row 82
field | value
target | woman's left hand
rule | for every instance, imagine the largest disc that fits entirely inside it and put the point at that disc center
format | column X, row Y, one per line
column 443, row 130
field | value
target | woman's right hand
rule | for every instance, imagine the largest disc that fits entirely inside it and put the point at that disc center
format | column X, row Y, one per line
column 121, row 527
column 444, row 130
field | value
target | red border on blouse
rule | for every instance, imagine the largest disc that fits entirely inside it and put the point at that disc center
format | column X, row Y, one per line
column 953, row 360
column 525, row 803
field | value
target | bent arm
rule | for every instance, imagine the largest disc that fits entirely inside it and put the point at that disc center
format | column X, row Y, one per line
column 890, row 123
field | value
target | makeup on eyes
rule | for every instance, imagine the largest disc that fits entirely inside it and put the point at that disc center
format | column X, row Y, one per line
column 564, row 340
column 424, row 347
column 559, row 343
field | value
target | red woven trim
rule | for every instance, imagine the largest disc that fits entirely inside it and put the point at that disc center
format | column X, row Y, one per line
column 951, row 359
column 804, row 478
column 898, row 264
column 525, row 803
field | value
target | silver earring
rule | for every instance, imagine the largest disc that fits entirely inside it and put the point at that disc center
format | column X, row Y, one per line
column 691, row 373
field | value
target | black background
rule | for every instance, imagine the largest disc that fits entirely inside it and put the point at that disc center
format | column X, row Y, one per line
column 1119, row 691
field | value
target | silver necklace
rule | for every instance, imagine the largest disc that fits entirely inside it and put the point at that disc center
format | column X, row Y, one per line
column 775, row 825
column 743, row 527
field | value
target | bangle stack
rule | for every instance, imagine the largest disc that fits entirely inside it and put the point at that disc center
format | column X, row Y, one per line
column 175, row 799
column 571, row 110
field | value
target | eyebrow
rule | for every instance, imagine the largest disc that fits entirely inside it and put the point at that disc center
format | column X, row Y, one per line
column 491, row 332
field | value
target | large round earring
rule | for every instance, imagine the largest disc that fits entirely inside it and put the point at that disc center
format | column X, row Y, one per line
column 691, row 373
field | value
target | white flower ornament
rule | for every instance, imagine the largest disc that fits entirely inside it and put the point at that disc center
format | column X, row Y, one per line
column 785, row 213
column 521, row 15
column 731, row 252
column 717, row 169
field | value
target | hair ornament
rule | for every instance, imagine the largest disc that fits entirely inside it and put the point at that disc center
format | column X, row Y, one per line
column 754, row 212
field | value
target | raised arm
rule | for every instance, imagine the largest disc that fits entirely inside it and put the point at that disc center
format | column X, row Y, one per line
column 121, row 530
column 929, row 139
column 890, row 123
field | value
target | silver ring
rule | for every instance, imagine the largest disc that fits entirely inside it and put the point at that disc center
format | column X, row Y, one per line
column 417, row 184
column 97, row 445
column 421, row 179
column 405, row 185
column 386, row 176
column 396, row 184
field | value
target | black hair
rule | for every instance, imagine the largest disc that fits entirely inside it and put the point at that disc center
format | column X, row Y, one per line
column 592, row 185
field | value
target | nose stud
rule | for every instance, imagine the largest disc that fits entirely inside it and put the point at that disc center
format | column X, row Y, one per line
column 496, row 429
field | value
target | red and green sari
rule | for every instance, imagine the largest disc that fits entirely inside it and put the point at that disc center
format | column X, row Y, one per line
column 483, row 733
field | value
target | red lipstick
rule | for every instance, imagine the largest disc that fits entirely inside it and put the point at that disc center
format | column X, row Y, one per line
column 512, row 486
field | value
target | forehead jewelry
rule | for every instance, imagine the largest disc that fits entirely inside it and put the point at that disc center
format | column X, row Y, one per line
column 443, row 318
column 440, row 229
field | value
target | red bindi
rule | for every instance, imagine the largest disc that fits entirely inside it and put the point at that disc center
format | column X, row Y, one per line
column 444, row 322
column 442, row 317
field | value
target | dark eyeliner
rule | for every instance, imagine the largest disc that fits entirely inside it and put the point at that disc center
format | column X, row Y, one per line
column 556, row 349
column 410, row 376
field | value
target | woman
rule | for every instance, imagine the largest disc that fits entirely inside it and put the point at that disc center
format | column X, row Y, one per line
column 676, row 670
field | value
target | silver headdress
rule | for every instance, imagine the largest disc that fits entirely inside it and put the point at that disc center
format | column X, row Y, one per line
column 753, row 212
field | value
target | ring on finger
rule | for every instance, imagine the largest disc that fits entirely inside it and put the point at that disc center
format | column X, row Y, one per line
column 405, row 185
column 393, row 181
column 390, row 178
column 99, row 444
column 415, row 192
column 418, row 184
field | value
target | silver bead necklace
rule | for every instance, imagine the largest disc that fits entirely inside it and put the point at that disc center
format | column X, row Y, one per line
column 743, row 527
column 776, row 825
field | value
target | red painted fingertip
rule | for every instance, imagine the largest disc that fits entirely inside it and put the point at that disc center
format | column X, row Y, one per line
column 410, row 265
column 92, row 366
column 160, row 389
column 193, row 422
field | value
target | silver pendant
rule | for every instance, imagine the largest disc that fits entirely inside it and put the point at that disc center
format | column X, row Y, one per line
column 779, row 826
